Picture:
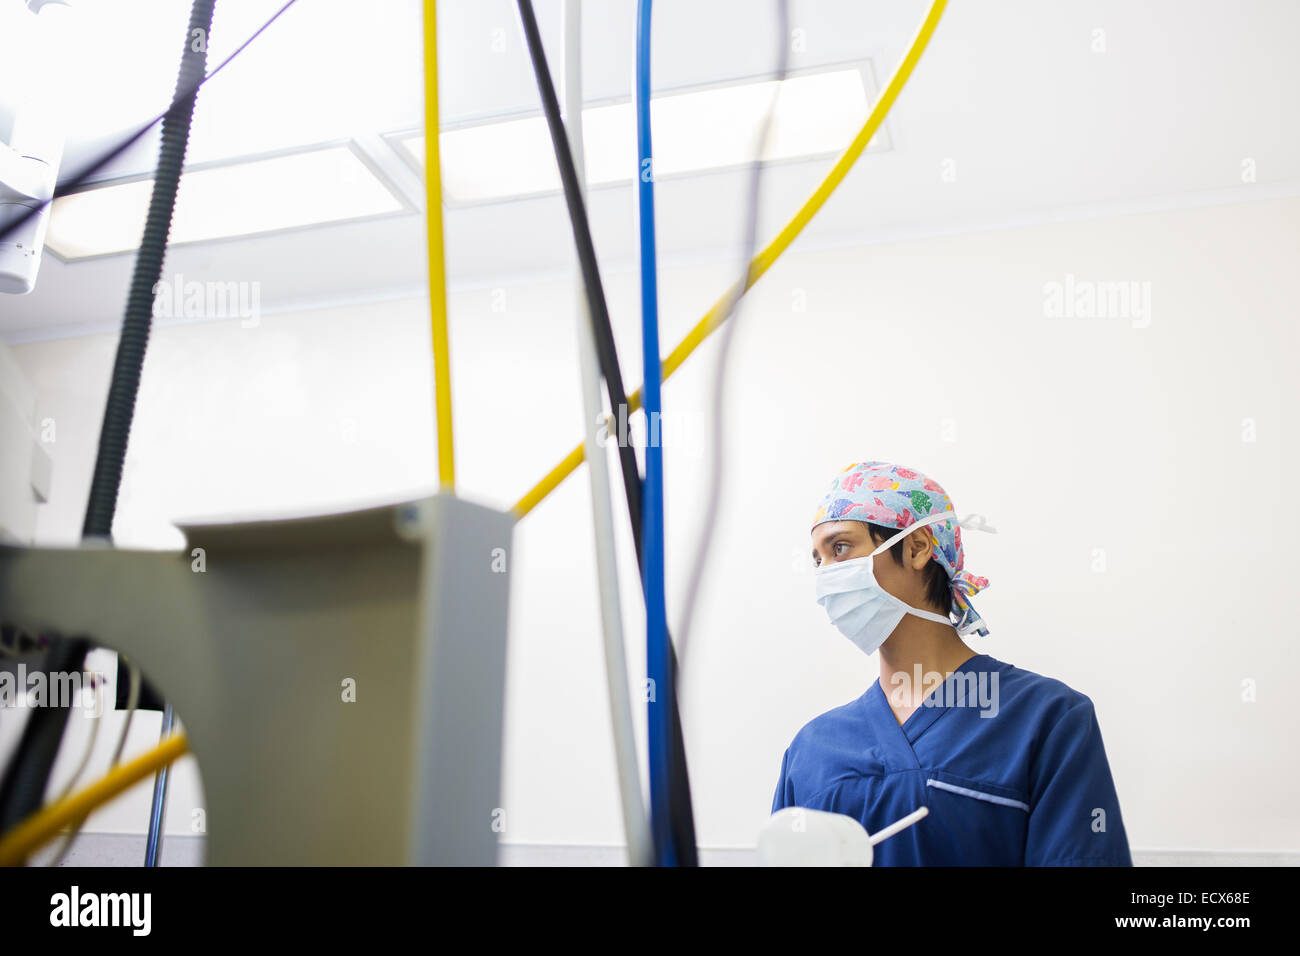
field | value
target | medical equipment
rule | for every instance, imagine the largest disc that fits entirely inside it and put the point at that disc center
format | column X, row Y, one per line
column 29, row 161
column 25, row 779
column 12, row 226
column 25, row 181
column 341, row 677
column 797, row 836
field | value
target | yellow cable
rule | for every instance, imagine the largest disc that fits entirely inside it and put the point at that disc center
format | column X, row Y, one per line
column 44, row 824
column 713, row 319
column 437, row 260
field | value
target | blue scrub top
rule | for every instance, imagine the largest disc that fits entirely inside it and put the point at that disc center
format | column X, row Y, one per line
column 1010, row 764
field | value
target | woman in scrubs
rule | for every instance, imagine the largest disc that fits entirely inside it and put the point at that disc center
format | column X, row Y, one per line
column 1009, row 763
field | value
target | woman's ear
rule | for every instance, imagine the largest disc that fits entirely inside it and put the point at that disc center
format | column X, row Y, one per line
column 920, row 546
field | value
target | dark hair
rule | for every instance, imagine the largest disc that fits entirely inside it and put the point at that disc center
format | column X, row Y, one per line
column 938, row 586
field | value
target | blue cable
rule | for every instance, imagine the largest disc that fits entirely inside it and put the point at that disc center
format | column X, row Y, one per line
column 652, row 504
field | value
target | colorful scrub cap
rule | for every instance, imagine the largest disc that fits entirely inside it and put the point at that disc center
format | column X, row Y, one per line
column 879, row 493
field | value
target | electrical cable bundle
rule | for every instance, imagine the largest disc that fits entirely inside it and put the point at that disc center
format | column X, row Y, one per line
column 636, row 825
column 682, row 819
column 715, row 317
column 658, row 647
column 132, row 699
column 28, row 773
column 758, row 263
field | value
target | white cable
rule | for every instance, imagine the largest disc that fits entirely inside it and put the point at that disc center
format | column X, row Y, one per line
column 132, row 700
column 72, row 783
column 635, row 822
column 90, row 748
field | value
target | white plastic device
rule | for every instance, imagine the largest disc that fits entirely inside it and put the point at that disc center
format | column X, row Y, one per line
column 797, row 836
column 29, row 161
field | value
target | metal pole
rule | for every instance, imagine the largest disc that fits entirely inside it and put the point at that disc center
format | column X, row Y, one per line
column 158, row 811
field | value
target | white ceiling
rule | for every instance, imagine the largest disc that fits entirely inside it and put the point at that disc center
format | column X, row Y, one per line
column 1010, row 96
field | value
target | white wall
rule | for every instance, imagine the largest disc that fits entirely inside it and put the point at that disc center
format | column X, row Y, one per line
column 1070, row 435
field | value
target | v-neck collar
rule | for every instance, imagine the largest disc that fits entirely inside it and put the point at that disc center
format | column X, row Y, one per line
column 907, row 733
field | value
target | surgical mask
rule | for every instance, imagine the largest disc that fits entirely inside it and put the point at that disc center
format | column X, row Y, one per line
column 858, row 606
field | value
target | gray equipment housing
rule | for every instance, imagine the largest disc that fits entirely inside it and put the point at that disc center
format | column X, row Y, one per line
column 256, row 651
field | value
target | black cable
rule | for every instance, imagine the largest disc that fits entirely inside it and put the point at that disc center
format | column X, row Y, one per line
column 131, row 346
column 683, row 821
column 136, row 326
column 150, row 699
column 679, row 797
column 95, row 165
column 23, row 788
column 604, row 333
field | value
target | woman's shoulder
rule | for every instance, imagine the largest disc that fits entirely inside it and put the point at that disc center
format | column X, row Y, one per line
column 1020, row 687
column 833, row 724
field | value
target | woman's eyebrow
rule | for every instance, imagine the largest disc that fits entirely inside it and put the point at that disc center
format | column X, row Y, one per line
column 830, row 538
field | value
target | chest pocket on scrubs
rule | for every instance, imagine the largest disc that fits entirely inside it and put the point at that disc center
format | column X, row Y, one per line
column 974, row 794
column 980, row 824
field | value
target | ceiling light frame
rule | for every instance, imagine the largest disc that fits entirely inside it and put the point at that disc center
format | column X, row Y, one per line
column 882, row 142
column 406, row 206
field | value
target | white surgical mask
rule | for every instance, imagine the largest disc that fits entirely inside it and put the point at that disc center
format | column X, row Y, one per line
column 858, row 606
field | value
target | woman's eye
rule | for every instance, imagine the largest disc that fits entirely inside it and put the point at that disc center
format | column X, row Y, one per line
column 840, row 544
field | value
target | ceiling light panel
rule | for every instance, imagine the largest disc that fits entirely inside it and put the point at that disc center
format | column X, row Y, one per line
column 694, row 131
column 290, row 191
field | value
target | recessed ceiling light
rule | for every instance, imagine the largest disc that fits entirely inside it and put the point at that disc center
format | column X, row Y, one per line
column 240, row 199
column 695, row 131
